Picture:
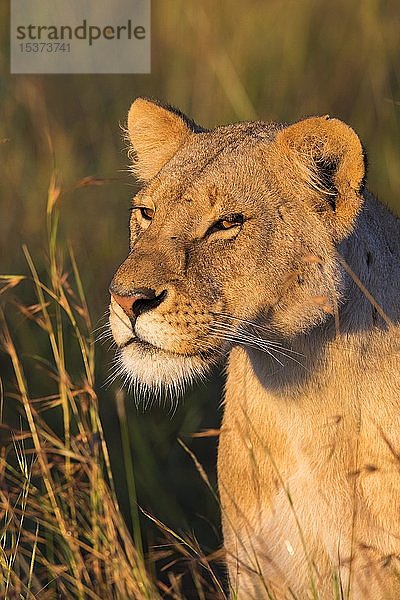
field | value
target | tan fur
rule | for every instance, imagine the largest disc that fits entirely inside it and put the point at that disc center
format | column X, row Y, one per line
column 309, row 453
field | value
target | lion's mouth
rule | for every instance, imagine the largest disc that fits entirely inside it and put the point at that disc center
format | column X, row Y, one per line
column 143, row 345
column 131, row 340
column 149, row 348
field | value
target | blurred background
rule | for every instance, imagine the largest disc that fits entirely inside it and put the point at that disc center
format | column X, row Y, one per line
column 277, row 60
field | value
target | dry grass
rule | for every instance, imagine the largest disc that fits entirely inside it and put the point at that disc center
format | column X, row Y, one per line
column 62, row 533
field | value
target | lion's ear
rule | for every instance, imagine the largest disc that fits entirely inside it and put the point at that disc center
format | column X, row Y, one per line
column 327, row 157
column 156, row 132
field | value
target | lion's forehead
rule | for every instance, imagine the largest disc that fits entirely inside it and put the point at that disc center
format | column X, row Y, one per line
column 228, row 184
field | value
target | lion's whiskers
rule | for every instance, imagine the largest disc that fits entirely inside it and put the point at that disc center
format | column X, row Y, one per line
column 245, row 341
column 253, row 325
column 271, row 343
column 246, row 338
column 115, row 371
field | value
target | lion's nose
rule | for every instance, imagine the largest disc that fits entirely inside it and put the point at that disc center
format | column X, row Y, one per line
column 138, row 301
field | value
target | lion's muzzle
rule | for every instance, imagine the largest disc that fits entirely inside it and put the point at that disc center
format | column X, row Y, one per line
column 136, row 302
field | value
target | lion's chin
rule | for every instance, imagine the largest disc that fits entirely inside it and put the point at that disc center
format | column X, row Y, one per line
column 148, row 368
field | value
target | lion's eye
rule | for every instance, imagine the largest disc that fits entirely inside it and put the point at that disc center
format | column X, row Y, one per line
column 146, row 213
column 227, row 222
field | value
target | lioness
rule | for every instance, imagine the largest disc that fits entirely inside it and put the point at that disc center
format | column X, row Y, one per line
column 260, row 241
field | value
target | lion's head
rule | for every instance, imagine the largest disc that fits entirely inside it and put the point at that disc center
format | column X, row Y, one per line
column 232, row 227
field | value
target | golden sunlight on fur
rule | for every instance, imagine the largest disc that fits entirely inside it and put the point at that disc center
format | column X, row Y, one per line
column 259, row 243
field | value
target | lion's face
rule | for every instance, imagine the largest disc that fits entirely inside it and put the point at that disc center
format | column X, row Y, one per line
column 228, row 230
